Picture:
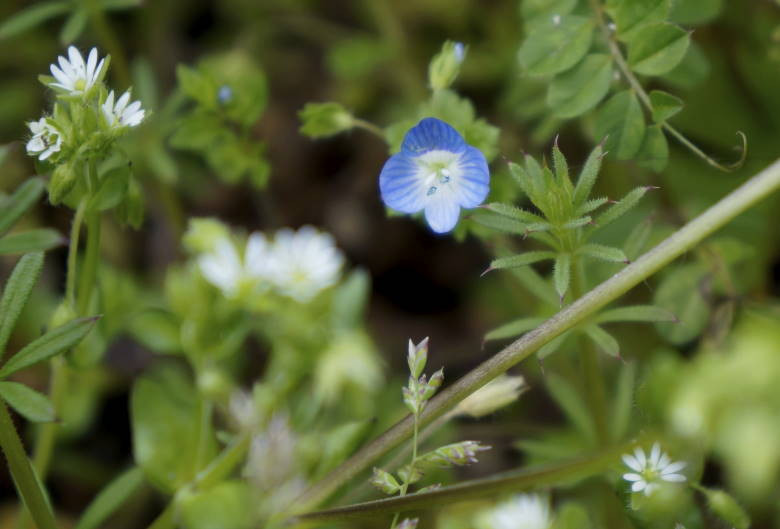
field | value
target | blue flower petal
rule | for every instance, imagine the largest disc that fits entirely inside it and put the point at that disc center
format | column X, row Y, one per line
column 400, row 186
column 474, row 183
column 442, row 213
column 432, row 134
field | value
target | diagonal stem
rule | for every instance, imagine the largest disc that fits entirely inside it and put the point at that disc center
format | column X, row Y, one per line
column 751, row 192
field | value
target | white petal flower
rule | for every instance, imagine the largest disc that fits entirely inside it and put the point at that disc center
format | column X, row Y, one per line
column 73, row 74
column 225, row 269
column 523, row 511
column 304, row 263
column 650, row 470
column 122, row 114
column 46, row 139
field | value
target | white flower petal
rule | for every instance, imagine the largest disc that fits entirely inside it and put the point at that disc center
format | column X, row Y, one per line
column 673, row 477
column 639, row 454
column 632, row 477
column 632, row 462
column 639, row 485
column 655, row 455
column 674, row 467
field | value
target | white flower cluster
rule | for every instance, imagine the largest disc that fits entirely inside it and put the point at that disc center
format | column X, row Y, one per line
column 297, row 264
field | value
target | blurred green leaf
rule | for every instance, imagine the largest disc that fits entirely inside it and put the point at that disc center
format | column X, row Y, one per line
column 522, row 259
column 31, row 17
column 620, row 121
column 74, row 25
column 533, row 11
column 623, row 402
column 571, row 403
column 31, row 241
column 665, row 105
column 680, row 292
column 654, row 152
column 635, row 313
column 513, row 328
column 320, row 120
column 603, row 340
column 356, row 57
column 113, row 496
column 630, row 16
column 158, row 330
column 580, row 89
column 658, row 48
column 571, row 516
column 350, row 299
column 50, row 344
column 554, row 46
column 32, row 405
column 14, row 206
column 695, row 12
column 604, row 253
column 17, row 291
column 228, row 505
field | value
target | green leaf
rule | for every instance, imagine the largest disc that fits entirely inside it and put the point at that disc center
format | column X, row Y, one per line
column 635, row 313
column 113, row 496
column 73, row 27
column 665, row 105
column 571, row 402
column 616, row 211
column 654, row 152
column 522, row 259
column 513, row 212
column 17, row 291
column 32, row 405
column 113, row 188
column 50, row 344
column 630, row 16
column 620, row 121
column 158, row 330
column 30, row 241
column 658, row 48
column 499, row 222
column 692, row 71
column 534, row 11
column 553, row 47
column 695, row 12
column 320, row 120
column 590, row 205
column 680, row 292
column 229, row 505
column 588, row 175
column 31, row 17
column 552, row 346
column 562, row 274
column 536, row 284
column 603, row 340
column 350, row 299
column 572, row 516
column 20, row 201
column 623, row 401
column 580, row 89
column 513, row 328
column 604, row 253
column 164, row 415
column 637, row 240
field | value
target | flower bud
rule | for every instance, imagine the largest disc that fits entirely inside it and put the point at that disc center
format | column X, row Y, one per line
column 727, row 508
column 385, row 481
column 492, row 396
column 63, row 178
column 456, row 454
column 324, row 119
column 445, row 66
column 433, row 384
column 417, row 357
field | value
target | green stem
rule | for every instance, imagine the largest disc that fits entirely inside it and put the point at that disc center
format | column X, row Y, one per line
column 88, row 276
column 634, row 83
column 44, row 442
column 29, row 487
column 73, row 249
column 751, row 192
column 166, row 519
column 370, row 127
column 204, row 424
column 594, row 381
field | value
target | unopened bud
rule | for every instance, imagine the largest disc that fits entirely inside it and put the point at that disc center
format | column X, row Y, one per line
column 433, row 384
column 63, row 178
column 417, row 357
column 385, row 481
column 456, row 454
column 445, row 66
column 727, row 508
column 324, row 119
column 492, row 396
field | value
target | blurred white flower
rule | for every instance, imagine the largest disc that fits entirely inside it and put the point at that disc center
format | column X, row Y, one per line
column 650, row 470
column 224, row 268
column 121, row 114
column 73, row 74
column 492, row 396
column 46, row 139
column 304, row 263
column 523, row 511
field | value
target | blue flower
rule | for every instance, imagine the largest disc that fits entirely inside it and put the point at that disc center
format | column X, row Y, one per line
column 436, row 171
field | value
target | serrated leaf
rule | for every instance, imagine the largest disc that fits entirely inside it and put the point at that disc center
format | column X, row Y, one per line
column 522, row 259
column 50, row 344
column 621, row 122
column 588, row 175
column 499, row 222
column 553, row 47
column 654, row 152
column 577, row 223
column 604, row 253
column 590, row 205
column 562, row 274
column 113, row 496
column 14, row 206
column 617, row 210
column 32, row 405
column 583, row 87
column 603, row 340
column 622, row 403
column 561, row 166
column 17, row 291
column 30, row 241
column 514, row 212
column 632, row 15
column 31, row 17
column 636, row 313
column 658, row 48
column 571, row 402
column 513, row 328
column 665, row 105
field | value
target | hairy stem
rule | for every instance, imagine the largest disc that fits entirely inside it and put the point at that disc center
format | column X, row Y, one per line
column 751, row 192
column 27, row 484
column 73, row 249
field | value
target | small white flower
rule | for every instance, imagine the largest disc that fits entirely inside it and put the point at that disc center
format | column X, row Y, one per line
column 224, row 268
column 46, row 139
column 73, row 74
column 304, row 263
column 650, row 471
column 121, row 114
column 556, row 20
column 523, row 511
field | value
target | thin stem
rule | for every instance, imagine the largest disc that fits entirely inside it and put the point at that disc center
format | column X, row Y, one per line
column 370, row 127
column 88, row 276
column 206, row 408
column 75, row 232
column 29, row 487
column 634, row 83
column 166, row 519
column 109, row 40
column 751, row 192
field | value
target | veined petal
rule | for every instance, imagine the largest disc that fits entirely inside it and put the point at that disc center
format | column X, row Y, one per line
column 473, row 184
column 91, row 63
column 76, row 60
column 442, row 212
column 432, row 133
column 400, row 184
column 655, row 455
column 639, row 454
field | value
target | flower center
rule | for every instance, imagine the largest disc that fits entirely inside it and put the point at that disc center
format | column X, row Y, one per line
column 80, row 84
column 438, row 174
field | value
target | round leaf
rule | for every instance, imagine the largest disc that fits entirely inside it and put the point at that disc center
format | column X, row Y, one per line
column 581, row 88
column 658, row 48
column 556, row 45
column 621, row 121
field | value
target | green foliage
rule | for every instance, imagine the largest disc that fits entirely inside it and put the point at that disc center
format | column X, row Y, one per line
column 116, row 493
column 321, row 120
column 32, row 405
